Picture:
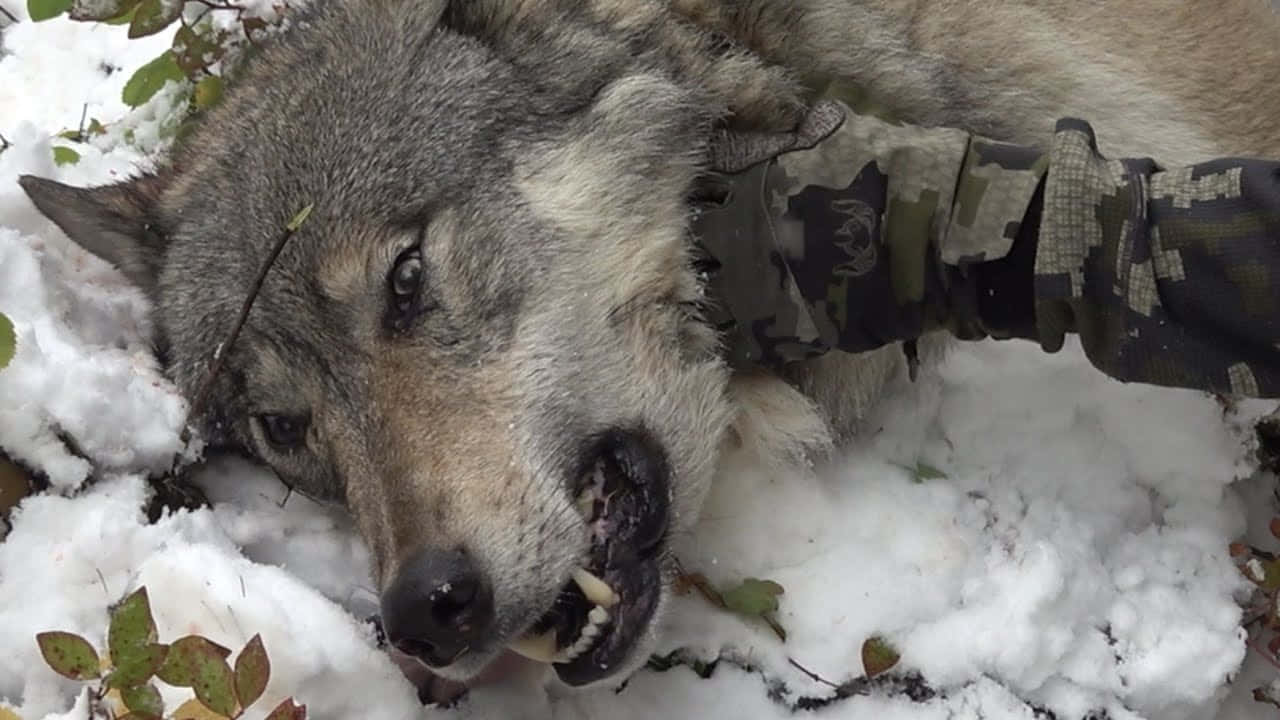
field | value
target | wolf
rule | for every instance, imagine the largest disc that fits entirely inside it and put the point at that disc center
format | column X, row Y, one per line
column 489, row 341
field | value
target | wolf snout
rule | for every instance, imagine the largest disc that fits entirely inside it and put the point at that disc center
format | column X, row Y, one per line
column 438, row 607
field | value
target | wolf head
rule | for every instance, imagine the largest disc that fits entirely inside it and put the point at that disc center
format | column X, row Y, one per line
column 485, row 340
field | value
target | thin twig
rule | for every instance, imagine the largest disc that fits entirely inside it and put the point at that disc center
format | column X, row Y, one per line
column 8, row 14
column 4, row 144
column 220, row 352
column 812, row 675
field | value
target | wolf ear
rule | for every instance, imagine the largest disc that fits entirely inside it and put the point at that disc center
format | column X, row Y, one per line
column 113, row 221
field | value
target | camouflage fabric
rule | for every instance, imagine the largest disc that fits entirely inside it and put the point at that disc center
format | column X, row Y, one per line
column 1170, row 277
column 876, row 235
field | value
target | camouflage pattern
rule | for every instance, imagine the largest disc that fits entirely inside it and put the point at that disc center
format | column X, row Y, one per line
column 874, row 235
column 1170, row 277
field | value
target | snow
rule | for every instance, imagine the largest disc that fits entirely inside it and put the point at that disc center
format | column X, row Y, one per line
column 1074, row 558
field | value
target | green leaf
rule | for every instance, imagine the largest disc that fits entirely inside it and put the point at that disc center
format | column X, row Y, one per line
column 296, row 223
column 181, row 667
column 125, row 17
column 132, row 626
column 96, row 128
column 208, row 91
column 253, row 670
column 69, row 655
column 100, row 10
column 753, row 597
column 150, row 78
column 152, row 16
column 144, row 700
column 923, row 471
column 928, row 472
column 215, row 685
column 8, row 341
column 287, row 710
column 46, row 9
column 194, row 51
column 135, row 666
column 877, row 656
column 64, row 156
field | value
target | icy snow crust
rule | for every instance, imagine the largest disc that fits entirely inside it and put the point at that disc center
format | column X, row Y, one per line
column 1073, row 559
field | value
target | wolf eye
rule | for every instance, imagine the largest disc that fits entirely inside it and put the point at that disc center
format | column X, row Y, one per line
column 284, row 431
column 406, row 281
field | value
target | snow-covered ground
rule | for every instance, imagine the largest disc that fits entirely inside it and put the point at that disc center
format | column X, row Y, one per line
column 1073, row 560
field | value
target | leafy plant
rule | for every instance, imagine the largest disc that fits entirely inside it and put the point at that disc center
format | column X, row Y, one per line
column 199, row 56
column 134, row 659
column 8, row 341
column 751, row 598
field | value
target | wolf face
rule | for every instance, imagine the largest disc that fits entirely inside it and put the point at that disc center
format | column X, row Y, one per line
column 485, row 341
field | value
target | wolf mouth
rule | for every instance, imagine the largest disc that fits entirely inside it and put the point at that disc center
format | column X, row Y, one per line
column 597, row 619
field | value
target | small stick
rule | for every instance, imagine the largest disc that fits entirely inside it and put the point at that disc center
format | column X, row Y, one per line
column 812, row 675
column 220, row 352
column 8, row 14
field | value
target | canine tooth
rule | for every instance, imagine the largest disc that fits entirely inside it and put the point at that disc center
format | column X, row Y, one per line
column 596, row 590
column 540, row 648
column 598, row 616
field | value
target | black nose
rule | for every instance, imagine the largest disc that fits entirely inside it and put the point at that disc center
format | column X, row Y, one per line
column 438, row 606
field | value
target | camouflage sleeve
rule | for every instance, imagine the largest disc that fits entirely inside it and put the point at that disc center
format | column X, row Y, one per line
column 863, row 240
column 883, row 232
column 1170, row 277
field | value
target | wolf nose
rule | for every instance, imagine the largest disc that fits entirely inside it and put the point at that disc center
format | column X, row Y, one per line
column 437, row 607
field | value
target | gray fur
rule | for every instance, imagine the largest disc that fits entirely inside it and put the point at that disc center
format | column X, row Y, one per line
column 543, row 150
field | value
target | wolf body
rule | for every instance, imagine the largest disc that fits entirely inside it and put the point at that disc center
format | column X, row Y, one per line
column 487, row 340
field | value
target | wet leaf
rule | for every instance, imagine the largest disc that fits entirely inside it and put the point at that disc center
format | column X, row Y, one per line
column 288, row 710
column 253, row 670
column 186, row 655
column 8, row 341
column 195, row 51
column 753, row 597
column 132, row 627
column 7, row 714
column 193, row 710
column 296, row 223
column 877, row 656
column 99, row 10
column 144, row 700
column 64, row 156
column 125, row 17
column 208, row 91
column 137, row 665
column 215, row 685
column 69, row 655
column 96, row 128
column 152, row 16
column 46, row 9
column 923, row 471
column 150, row 78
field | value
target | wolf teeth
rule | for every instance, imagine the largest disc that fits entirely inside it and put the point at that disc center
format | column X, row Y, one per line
column 596, row 590
column 539, row 648
column 588, row 637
